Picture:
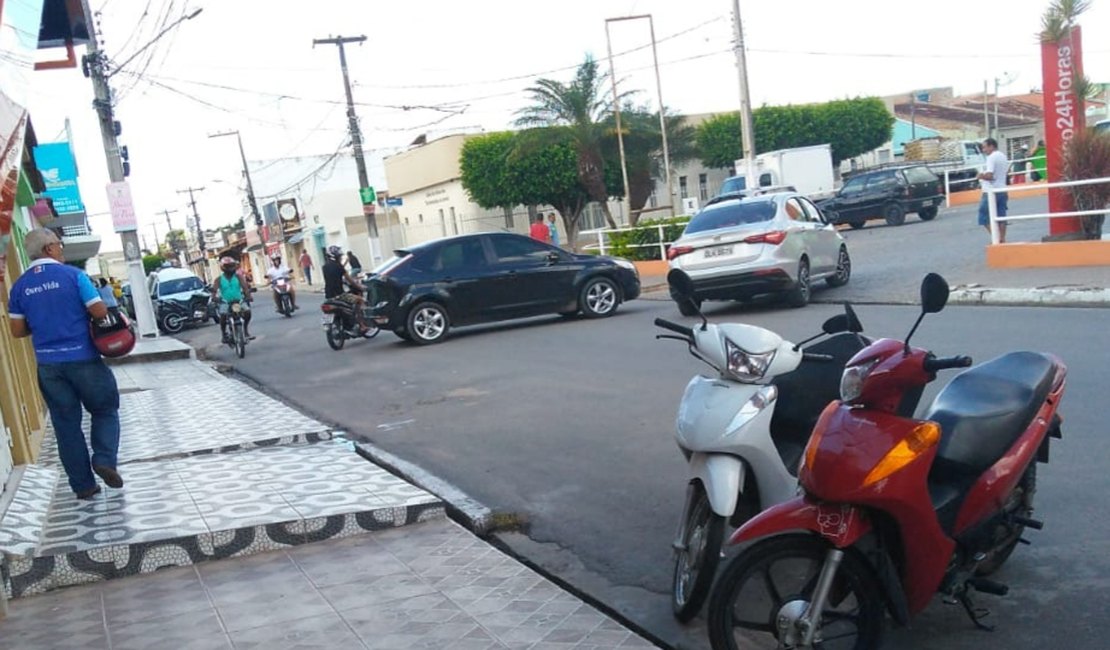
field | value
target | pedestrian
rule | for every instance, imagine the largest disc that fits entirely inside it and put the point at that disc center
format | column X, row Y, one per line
column 117, row 288
column 354, row 263
column 993, row 176
column 539, row 230
column 306, row 266
column 1040, row 162
column 52, row 302
column 107, row 294
column 553, row 232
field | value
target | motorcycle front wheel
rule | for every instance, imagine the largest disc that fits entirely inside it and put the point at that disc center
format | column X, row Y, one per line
column 777, row 576
column 335, row 336
column 173, row 323
column 240, row 340
column 695, row 563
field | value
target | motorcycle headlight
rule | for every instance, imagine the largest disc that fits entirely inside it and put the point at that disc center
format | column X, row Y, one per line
column 744, row 365
column 851, row 382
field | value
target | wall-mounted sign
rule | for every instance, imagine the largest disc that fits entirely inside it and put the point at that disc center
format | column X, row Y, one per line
column 59, row 172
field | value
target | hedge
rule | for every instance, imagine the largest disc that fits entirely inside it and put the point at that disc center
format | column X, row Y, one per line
column 642, row 245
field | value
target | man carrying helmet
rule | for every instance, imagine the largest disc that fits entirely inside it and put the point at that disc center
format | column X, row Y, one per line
column 277, row 271
column 52, row 303
column 334, row 278
column 231, row 287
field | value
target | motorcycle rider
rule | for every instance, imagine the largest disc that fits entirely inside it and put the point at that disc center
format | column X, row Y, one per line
column 279, row 270
column 334, row 278
column 229, row 287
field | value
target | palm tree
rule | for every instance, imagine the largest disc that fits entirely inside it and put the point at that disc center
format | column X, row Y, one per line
column 581, row 106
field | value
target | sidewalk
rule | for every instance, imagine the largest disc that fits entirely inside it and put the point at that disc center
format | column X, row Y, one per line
column 251, row 518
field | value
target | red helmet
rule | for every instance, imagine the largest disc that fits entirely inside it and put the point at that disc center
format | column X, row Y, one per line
column 113, row 336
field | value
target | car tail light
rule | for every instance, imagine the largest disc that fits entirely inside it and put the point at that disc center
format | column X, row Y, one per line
column 775, row 237
column 675, row 251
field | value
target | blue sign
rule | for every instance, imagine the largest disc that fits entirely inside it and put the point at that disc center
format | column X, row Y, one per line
column 59, row 172
column 394, row 201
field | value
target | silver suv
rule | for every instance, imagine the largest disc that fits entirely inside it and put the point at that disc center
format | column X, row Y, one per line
column 738, row 249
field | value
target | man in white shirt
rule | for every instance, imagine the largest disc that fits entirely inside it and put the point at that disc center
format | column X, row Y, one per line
column 279, row 270
column 994, row 175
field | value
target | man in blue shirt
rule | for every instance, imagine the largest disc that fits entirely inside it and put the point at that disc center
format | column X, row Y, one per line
column 52, row 302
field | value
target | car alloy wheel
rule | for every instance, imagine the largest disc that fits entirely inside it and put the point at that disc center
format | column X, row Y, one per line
column 599, row 298
column 427, row 323
column 843, row 269
column 799, row 296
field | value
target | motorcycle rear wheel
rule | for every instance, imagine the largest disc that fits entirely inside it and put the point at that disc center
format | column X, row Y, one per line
column 1021, row 505
column 696, row 564
column 783, row 569
column 336, row 337
column 173, row 323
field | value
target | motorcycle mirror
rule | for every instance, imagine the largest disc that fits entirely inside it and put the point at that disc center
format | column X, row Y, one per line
column 854, row 324
column 934, row 293
column 837, row 324
column 682, row 289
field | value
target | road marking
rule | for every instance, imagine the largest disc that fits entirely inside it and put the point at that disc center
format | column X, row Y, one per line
column 390, row 426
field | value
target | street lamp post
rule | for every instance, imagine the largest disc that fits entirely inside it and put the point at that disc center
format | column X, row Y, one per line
column 662, row 116
column 250, row 187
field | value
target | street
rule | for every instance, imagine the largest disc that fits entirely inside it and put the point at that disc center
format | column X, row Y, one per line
column 568, row 424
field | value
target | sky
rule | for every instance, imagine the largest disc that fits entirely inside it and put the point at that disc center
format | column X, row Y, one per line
column 434, row 66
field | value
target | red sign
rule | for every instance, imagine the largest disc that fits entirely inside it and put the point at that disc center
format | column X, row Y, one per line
column 1061, row 66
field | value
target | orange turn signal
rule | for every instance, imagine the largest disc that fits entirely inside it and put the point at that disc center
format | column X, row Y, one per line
column 811, row 448
column 923, row 436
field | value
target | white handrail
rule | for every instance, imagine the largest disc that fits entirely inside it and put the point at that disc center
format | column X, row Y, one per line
column 662, row 244
column 992, row 205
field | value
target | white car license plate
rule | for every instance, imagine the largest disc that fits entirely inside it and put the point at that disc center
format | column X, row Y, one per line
column 325, row 321
column 718, row 251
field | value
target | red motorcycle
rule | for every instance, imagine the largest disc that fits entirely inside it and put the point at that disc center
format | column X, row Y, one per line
column 895, row 510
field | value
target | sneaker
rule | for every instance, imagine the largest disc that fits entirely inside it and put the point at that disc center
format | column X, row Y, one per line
column 87, row 495
column 109, row 475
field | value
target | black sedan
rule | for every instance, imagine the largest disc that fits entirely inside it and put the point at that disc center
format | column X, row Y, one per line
column 426, row 289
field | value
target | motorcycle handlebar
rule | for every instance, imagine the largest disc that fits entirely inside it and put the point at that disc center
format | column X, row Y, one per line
column 933, row 364
column 675, row 327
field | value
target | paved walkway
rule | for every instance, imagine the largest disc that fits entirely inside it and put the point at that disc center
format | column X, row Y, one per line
column 433, row 585
column 259, row 526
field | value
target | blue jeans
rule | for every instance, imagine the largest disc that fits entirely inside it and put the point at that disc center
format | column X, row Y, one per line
column 984, row 210
column 67, row 387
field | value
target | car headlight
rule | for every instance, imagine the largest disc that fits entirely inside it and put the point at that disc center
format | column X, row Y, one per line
column 625, row 264
column 851, row 382
column 744, row 365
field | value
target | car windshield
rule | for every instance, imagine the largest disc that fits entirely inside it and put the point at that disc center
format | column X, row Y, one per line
column 919, row 175
column 386, row 266
column 736, row 184
column 179, row 285
column 727, row 215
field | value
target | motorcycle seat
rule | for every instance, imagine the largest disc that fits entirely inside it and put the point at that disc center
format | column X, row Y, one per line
column 983, row 411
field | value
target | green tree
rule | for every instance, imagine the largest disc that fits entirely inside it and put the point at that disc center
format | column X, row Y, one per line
column 850, row 126
column 152, row 262
column 643, row 148
column 582, row 106
column 484, row 163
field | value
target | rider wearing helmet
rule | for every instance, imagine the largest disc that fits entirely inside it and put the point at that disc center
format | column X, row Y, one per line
column 334, row 278
column 279, row 270
column 231, row 287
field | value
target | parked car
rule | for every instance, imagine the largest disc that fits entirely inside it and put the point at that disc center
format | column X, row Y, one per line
column 180, row 298
column 425, row 290
column 885, row 194
column 742, row 248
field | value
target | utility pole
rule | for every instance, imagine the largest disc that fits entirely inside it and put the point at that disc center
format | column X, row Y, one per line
column 356, row 138
column 986, row 111
column 169, row 229
column 97, row 65
column 747, row 131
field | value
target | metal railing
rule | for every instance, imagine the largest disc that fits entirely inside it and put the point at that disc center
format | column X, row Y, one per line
column 601, row 233
column 992, row 206
column 949, row 184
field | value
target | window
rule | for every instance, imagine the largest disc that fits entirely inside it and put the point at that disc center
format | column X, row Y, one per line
column 812, row 212
column 881, row 180
column 515, row 250
column 853, row 186
column 682, row 192
column 765, row 180
column 795, row 211
column 703, row 186
column 454, row 222
column 735, row 184
column 466, row 254
column 919, row 175
column 179, row 285
column 729, row 214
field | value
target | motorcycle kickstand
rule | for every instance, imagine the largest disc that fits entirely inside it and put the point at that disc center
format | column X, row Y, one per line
column 976, row 614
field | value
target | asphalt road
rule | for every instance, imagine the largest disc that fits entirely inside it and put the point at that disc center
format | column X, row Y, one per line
column 569, row 424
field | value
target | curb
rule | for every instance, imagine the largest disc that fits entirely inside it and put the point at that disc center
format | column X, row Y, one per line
column 1035, row 297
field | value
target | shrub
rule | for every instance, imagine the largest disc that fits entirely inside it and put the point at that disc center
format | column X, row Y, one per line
column 1087, row 155
column 642, row 245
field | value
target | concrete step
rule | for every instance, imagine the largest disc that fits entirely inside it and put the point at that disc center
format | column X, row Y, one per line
column 200, row 508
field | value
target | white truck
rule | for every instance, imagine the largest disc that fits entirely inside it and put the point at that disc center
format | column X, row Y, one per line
column 809, row 170
column 961, row 159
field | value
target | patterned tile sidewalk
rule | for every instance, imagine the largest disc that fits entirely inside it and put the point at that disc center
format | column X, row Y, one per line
column 431, row 585
column 206, row 479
